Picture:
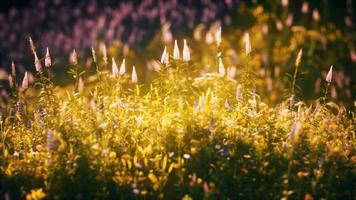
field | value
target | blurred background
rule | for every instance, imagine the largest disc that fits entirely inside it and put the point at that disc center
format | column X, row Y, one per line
column 139, row 30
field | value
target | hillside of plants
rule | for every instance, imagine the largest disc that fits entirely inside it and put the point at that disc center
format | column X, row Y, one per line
column 178, row 100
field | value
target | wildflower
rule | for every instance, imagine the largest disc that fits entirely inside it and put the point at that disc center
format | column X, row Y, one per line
column 238, row 92
column 299, row 57
column 33, row 49
column 279, row 25
column 165, row 56
column 176, row 50
column 186, row 156
column 73, row 58
column 316, row 15
column 115, row 70
column 289, row 20
column 25, row 81
column 19, row 107
column 305, row 7
column 11, row 81
column 13, row 69
column 123, row 67
column 134, row 75
column 105, row 55
column 284, row 3
column 295, row 130
column 36, row 194
column 38, row 65
column 186, row 52
column 171, row 154
column 247, row 43
column 221, row 67
column 217, row 36
column 93, row 54
column 48, row 61
column 329, row 76
column 52, row 141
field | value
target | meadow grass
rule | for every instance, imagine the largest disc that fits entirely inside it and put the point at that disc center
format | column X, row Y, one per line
column 186, row 135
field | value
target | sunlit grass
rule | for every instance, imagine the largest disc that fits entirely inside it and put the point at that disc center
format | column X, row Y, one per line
column 186, row 135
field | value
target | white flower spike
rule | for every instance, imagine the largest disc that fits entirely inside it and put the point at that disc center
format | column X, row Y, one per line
column 115, row 70
column 25, row 81
column 134, row 75
column 329, row 76
column 73, row 58
column 38, row 65
column 299, row 57
column 48, row 61
column 122, row 67
column 221, row 67
column 165, row 56
column 186, row 52
column 176, row 51
column 218, row 36
column 247, row 43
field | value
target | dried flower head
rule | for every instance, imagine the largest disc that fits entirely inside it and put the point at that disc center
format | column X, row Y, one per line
column 176, row 50
column 329, row 76
column 186, row 52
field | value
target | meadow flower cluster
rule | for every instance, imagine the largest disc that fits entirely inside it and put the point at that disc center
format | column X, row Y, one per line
column 189, row 134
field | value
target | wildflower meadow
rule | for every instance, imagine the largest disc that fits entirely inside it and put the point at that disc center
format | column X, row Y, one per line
column 219, row 110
